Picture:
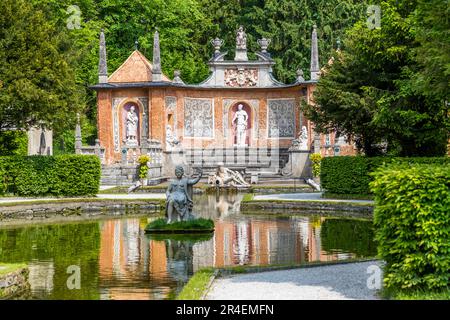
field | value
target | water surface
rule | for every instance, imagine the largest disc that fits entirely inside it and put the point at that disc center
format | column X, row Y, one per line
column 117, row 260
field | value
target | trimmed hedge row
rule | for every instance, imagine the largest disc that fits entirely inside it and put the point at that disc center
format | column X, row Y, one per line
column 412, row 220
column 351, row 175
column 64, row 175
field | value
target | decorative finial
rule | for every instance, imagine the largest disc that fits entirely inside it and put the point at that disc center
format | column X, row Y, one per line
column 314, row 69
column 102, row 63
column 264, row 44
column 136, row 45
column 217, row 43
column 176, row 76
column 300, row 75
column 156, row 71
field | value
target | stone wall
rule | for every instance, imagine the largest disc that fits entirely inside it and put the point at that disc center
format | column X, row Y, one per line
column 14, row 284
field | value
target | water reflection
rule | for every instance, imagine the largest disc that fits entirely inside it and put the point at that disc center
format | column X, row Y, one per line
column 119, row 261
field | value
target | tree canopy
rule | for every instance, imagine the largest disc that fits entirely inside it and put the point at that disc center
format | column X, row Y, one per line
column 37, row 80
column 379, row 90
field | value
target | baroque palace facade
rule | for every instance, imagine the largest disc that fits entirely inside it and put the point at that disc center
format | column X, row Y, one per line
column 240, row 115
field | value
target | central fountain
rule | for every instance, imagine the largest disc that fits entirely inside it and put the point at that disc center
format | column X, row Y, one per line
column 179, row 204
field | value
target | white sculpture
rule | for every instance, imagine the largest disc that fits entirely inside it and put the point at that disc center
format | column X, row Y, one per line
column 132, row 126
column 303, row 139
column 241, row 118
column 241, row 39
column 171, row 140
column 227, row 177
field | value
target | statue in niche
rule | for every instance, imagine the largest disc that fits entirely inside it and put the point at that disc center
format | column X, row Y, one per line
column 226, row 177
column 179, row 197
column 132, row 121
column 241, row 39
column 171, row 140
column 241, row 119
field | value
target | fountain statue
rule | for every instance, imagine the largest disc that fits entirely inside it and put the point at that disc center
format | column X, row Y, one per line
column 224, row 177
column 179, row 197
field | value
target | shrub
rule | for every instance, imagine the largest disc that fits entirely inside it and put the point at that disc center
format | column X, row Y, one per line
column 412, row 223
column 315, row 158
column 65, row 175
column 351, row 175
column 143, row 167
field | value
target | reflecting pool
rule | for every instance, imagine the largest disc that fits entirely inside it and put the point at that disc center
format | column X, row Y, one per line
column 117, row 260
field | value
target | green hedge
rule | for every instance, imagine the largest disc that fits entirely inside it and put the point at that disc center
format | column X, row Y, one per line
column 412, row 220
column 64, row 175
column 351, row 175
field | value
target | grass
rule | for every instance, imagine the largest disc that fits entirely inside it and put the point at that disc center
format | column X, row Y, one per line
column 248, row 197
column 196, row 224
column 417, row 294
column 197, row 285
column 8, row 268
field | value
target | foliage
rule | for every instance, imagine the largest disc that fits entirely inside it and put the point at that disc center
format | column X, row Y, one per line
column 143, row 167
column 348, row 235
column 196, row 224
column 316, row 158
column 417, row 294
column 197, row 285
column 13, row 142
column 184, row 237
column 65, row 175
column 413, row 225
column 351, row 175
column 38, row 85
column 370, row 92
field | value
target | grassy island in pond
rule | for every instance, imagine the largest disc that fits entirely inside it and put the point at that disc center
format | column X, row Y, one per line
column 200, row 225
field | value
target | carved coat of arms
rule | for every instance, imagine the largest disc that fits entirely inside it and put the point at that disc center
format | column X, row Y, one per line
column 241, row 77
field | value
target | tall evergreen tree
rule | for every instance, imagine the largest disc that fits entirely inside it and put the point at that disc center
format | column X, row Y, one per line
column 368, row 94
column 37, row 81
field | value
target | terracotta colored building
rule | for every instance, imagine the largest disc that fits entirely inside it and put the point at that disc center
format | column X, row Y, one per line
column 141, row 110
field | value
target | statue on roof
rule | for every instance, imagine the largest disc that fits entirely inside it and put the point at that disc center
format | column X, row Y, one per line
column 241, row 39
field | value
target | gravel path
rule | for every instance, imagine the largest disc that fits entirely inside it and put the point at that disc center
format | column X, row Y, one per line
column 304, row 196
column 337, row 282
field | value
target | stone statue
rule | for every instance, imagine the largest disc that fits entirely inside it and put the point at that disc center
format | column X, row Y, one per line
column 301, row 143
column 227, row 177
column 132, row 126
column 179, row 197
column 241, row 39
column 303, row 139
column 171, row 140
column 241, row 118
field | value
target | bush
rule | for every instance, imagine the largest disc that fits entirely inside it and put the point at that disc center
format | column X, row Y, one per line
column 65, row 175
column 412, row 223
column 315, row 158
column 143, row 167
column 351, row 175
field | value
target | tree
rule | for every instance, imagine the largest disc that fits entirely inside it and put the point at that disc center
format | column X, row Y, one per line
column 38, row 84
column 368, row 94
